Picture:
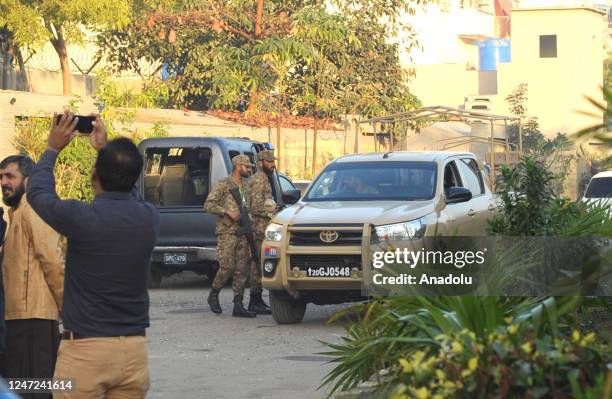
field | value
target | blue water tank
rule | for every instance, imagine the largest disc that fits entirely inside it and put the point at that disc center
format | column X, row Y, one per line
column 492, row 52
column 504, row 51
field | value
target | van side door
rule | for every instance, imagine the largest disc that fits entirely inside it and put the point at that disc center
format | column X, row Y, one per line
column 479, row 207
column 458, row 223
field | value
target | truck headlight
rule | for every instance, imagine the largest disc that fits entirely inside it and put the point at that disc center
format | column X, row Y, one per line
column 274, row 232
column 412, row 230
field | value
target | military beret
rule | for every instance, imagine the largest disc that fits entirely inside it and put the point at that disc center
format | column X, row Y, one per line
column 241, row 160
column 266, row 155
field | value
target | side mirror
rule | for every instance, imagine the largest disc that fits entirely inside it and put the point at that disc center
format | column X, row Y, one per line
column 290, row 197
column 455, row 195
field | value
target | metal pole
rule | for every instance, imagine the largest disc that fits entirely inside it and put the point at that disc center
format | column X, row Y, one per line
column 375, row 139
column 520, row 132
column 278, row 144
column 314, row 149
column 305, row 150
column 391, row 133
column 507, row 139
column 492, row 172
column 356, row 149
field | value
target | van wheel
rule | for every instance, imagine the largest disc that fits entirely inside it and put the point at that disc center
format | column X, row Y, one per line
column 155, row 278
column 286, row 310
column 210, row 274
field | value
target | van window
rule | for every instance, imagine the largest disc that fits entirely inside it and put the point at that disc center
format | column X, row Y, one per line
column 600, row 187
column 451, row 176
column 252, row 158
column 471, row 176
column 177, row 176
column 153, row 166
column 285, row 183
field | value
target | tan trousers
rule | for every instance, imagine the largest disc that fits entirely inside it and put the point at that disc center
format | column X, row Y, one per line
column 104, row 368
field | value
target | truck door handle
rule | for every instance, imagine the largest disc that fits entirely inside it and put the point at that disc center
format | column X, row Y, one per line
column 471, row 212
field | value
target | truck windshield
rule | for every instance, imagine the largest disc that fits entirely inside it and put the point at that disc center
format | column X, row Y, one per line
column 367, row 181
column 599, row 188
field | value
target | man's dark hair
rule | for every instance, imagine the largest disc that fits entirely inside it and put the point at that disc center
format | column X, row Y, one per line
column 118, row 165
column 24, row 163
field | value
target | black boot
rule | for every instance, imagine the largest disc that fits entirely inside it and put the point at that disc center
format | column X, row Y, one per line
column 257, row 304
column 239, row 310
column 213, row 301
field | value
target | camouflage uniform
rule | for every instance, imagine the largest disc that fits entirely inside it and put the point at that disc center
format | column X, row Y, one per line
column 232, row 251
column 258, row 191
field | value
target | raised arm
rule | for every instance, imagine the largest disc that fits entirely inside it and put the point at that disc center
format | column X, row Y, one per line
column 42, row 196
column 64, row 216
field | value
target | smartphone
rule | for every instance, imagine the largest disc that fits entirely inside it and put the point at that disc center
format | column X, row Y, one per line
column 84, row 125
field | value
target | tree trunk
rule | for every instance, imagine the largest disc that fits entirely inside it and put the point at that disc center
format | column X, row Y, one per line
column 314, row 148
column 278, row 143
column 25, row 80
column 59, row 44
column 5, row 69
column 258, row 20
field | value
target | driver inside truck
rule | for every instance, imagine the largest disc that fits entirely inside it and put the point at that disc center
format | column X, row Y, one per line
column 355, row 184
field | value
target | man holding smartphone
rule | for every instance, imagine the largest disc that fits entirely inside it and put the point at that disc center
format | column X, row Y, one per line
column 106, row 303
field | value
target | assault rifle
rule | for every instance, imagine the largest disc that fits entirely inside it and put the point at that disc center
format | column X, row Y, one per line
column 246, row 228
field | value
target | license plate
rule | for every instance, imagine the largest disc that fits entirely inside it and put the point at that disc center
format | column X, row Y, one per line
column 175, row 259
column 328, row 271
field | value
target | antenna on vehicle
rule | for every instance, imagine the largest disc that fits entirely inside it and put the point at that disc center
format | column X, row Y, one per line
column 386, row 155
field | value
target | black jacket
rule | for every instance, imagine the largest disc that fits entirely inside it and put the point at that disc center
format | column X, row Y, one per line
column 110, row 242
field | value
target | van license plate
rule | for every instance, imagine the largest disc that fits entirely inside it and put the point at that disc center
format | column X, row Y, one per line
column 175, row 259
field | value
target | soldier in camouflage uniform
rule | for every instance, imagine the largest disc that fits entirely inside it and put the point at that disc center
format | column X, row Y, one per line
column 258, row 191
column 232, row 250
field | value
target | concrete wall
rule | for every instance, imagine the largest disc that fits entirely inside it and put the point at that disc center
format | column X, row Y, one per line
column 444, row 84
column 296, row 145
column 558, row 87
column 18, row 103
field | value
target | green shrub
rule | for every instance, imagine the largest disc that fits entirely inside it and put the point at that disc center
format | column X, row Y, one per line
column 530, row 206
column 390, row 329
column 511, row 362
column 74, row 164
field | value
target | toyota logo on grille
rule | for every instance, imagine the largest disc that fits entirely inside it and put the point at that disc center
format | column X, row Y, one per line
column 328, row 236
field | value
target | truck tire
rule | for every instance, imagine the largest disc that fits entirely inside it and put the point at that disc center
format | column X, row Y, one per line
column 210, row 274
column 286, row 310
column 155, row 278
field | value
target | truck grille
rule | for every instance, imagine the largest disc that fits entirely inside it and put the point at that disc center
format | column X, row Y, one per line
column 312, row 238
column 303, row 262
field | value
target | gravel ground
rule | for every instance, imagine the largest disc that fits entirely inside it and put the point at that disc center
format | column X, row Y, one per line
column 194, row 353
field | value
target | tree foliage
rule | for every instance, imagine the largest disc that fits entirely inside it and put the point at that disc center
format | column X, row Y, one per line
column 532, row 207
column 75, row 162
column 550, row 151
column 305, row 58
column 34, row 22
